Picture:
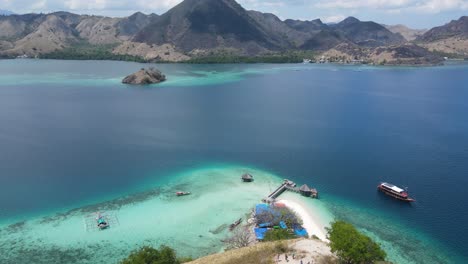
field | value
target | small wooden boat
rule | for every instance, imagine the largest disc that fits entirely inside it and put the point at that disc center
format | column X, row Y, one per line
column 182, row 193
column 101, row 222
column 235, row 224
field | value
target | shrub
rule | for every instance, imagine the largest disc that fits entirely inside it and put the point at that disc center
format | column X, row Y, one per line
column 278, row 234
column 351, row 246
column 149, row 255
column 281, row 247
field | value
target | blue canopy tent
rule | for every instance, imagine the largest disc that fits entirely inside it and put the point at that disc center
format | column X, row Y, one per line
column 299, row 231
column 260, row 233
column 283, row 225
column 261, row 208
column 263, row 225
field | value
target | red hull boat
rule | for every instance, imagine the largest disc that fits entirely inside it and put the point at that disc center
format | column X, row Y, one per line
column 395, row 192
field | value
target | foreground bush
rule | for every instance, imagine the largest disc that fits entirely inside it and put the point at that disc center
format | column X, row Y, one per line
column 353, row 247
column 278, row 234
column 149, row 255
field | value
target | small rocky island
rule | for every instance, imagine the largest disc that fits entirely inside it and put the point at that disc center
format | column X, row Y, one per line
column 145, row 76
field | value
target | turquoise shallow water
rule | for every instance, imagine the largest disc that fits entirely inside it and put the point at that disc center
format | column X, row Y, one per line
column 194, row 225
column 72, row 137
column 178, row 75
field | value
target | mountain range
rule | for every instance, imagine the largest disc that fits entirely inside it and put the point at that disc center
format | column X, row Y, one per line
column 200, row 28
column 449, row 39
column 5, row 12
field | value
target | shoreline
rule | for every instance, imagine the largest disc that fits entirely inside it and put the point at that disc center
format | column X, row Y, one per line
column 180, row 225
column 254, row 62
column 309, row 216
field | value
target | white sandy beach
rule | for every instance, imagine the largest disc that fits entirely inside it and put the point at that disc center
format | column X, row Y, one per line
column 310, row 218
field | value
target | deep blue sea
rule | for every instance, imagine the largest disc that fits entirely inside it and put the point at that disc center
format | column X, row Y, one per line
column 71, row 134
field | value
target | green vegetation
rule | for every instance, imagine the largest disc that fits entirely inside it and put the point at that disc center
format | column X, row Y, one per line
column 222, row 59
column 84, row 51
column 279, row 234
column 447, row 54
column 4, row 56
column 283, row 57
column 149, row 255
column 353, row 247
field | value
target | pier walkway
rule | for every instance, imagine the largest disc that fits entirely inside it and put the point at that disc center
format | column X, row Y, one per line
column 291, row 186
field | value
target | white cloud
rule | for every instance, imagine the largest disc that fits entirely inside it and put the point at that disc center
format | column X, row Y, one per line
column 437, row 6
column 375, row 4
column 24, row 6
column 393, row 6
column 333, row 19
column 282, row 7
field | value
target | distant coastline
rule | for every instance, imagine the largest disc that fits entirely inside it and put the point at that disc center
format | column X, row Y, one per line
column 270, row 59
column 228, row 33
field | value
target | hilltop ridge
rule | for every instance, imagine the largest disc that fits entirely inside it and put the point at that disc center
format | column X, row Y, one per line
column 201, row 28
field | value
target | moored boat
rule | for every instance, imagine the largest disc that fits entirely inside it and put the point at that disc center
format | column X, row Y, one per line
column 395, row 192
column 182, row 193
column 101, row 222
column 235, row 224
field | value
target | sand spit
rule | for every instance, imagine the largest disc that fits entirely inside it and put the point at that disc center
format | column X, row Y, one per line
column 194, row 225
column 309, row 218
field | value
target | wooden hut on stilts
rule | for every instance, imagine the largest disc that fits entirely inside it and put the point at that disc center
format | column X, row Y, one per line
column 307, row 191
column 247, row 178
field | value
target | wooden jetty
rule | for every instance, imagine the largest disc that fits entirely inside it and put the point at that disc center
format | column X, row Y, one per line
column 288, row 185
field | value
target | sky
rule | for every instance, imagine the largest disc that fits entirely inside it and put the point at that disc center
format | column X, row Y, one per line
column 413, row 13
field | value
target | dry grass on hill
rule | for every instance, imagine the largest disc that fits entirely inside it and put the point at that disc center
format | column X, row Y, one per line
column 265, row 253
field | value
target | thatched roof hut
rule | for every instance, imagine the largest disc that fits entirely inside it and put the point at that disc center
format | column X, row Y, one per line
column 305, row 190
column 247, row 177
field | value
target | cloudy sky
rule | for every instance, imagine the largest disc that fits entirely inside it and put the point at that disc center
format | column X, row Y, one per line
column 415, row 13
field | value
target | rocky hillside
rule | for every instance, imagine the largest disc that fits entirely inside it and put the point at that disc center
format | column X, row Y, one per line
column 325, row 39
column 408, row 33
column 404, row 54
column 34, row 34
column 197, row 28
column 450, row 39
column 211, row 24
column 456, row 28
column 312, row 27
column 369, row 34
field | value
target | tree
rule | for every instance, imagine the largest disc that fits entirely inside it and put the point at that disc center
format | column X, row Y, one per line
column 353, row 247
column 241, row 237
column 149, row 255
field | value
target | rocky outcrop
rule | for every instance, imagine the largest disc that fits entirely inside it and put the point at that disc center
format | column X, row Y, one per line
column 145, row 76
